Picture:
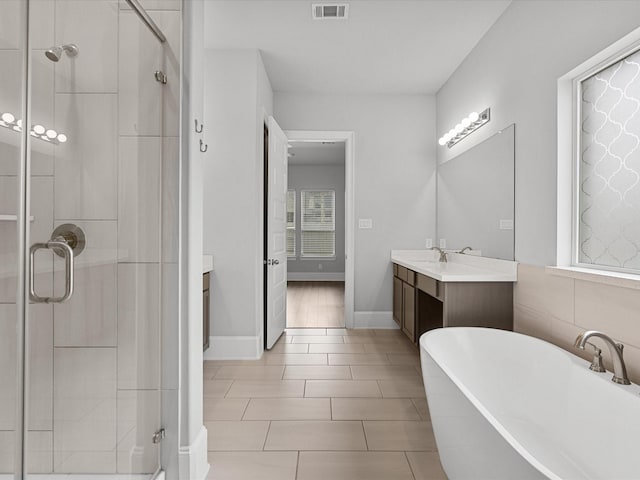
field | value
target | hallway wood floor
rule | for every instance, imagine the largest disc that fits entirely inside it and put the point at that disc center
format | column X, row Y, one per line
column 322, row 404
column 315, row 304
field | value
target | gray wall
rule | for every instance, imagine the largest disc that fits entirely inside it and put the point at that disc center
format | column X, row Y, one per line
column 309, row 177
column 514, row 70
column 237, row 94
column 394, row 176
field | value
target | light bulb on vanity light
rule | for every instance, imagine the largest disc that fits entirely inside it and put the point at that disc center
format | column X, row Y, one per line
column 459, row 128
column 39, row 129
column 465, row 122
column 62, row 138
column 52, row 134
column 473, row 117
column 442, row 141
column 7, row 117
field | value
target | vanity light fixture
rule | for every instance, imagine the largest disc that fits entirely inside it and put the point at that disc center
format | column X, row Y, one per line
column 8, row 120
column 466, row 126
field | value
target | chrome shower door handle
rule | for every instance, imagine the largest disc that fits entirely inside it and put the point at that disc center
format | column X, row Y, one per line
column 60, row 247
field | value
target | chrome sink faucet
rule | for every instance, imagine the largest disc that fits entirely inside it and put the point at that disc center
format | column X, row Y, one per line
column 619, row 368
column 443, row 254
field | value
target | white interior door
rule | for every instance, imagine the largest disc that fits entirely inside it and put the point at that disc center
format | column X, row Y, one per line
column 276, row 234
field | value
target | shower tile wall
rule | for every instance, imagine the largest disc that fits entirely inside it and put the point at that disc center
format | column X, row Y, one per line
column 95, row 362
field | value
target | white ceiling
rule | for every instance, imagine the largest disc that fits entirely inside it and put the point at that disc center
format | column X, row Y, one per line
column 391, row 46
column 316, row 153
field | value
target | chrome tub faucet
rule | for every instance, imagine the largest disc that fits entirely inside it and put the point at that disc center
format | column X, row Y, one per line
column 619, row 368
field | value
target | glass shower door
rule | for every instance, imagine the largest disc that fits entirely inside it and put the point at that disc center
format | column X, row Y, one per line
column 13, row 21
column 88, row 173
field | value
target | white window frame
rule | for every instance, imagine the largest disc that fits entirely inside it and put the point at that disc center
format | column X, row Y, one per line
column 302, row 229
column 295, row 224
column 568, row 171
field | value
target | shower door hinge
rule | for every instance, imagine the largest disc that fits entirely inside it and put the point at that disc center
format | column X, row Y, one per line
column 160, row 76
column 158, row 436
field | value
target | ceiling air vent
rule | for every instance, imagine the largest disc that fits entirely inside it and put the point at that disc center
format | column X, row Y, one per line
column 322, row 11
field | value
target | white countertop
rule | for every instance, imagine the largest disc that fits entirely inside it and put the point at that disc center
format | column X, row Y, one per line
column 207, row 263
column 458, row 268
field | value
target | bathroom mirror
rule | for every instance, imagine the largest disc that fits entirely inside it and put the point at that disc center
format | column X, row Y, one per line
column 476, row 197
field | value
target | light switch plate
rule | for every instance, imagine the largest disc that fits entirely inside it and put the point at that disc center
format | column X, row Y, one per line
column 443, row 243
column 365, row 223
column 428, row 243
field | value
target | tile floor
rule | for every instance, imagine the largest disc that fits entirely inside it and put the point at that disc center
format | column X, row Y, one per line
column 322, row 404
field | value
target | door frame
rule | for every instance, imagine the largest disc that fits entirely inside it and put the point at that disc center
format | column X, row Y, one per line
column 349, row 189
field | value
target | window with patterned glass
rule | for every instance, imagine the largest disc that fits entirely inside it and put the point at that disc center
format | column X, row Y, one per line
column 607, row 181
column 318, row 225
column 291, row 223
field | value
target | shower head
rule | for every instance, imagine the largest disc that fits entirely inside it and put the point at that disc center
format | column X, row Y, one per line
column 55, row 53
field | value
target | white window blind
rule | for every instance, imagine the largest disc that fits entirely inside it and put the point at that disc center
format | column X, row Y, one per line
column 291, row 223
column 318, row 223
column 607, row 199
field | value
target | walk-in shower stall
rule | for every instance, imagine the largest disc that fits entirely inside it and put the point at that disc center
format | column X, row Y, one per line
column 89, row 171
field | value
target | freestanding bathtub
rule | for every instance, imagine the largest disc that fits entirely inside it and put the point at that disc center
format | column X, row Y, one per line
column 508, row 406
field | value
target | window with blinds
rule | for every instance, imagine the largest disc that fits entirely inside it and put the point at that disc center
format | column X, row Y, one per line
column 291, row 223
column 318, row 223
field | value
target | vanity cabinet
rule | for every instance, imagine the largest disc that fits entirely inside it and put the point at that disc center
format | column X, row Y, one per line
column 404, row 300
column 206, row 305
column 422, row 303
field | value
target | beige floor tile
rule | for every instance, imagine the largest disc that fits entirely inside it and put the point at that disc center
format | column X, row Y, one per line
column 288, row 409
column 297, row 359
column 349, row 331
column 353, row 466
column 336, row 348
column 402, row 388
column 412, row 359
column 250, row 363
column 426, row 466
column 373, row 409
column 208, row 371
column 358, row 359
column 342, row 388
column 317, row 339
column 384, row 372
column 422, row 407
column 252, row 465
column 284, row 339
column 399, row 436
column 315, row 435
column 389, row 347
column 289, row 348
column 306, row 331
column 224, row 408
column 370, row 339
column 389, row 332
column 317, row 372
column 216, row 388
column 266, row 389
column 243, row 372
column 228, row 436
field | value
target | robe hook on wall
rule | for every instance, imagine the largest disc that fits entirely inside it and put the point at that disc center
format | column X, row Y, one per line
column 201, row 126
column 202, row 144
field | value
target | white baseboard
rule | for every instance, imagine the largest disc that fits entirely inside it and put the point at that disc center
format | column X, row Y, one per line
column 233, row 348
column 374, row 320
column 193, row 458
column 315, row 276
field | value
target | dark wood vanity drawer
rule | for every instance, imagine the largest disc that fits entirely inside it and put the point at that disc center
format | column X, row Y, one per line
column 411, row 277
column 428, row 285
column 395, row 269
column 402, row 273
